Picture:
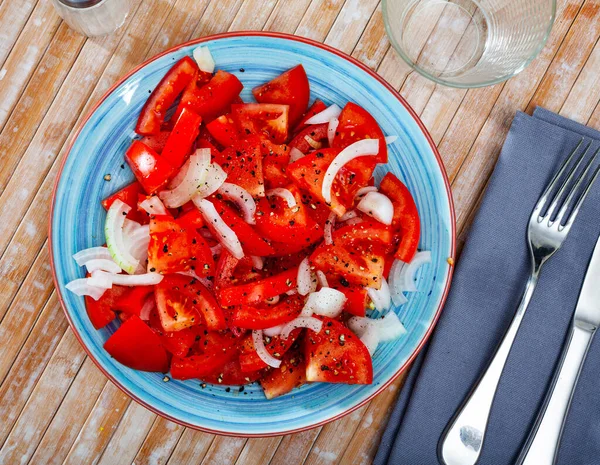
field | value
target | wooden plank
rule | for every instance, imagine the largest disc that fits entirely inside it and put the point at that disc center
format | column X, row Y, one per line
column 217, row 17
column 70, row 417
column 224, row 450
column 252, row 15
column 129, row 435
column 350, row 23
column 286, row 16
column 373, row 44
column 45, row 399
column 13, row 16
column 295, row 447
column 192, row 448
column 159, row 443
column 25, row 55
column 318, row 18
column 258, row 451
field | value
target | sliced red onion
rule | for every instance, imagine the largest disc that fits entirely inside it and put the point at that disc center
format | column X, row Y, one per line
column 313, row 143
column 382, row 297
column 102, row 264
column 261, row 350
column 309, row 322
column 225, row 234
column 391, row 139
column 378, row 206
column 206, row 234
column 371, row 339
column 390, row 327
column 82, row 287
column 93, row 253
column 146, row 279
column 304, row 277
column 194, row 178
column 100, row 279
column 242, row 198
column 362, row 148
column 147, row 308
column 274, row 331
column 216, row 249
column 349, row 215
column 285, row 194
column 331, row 129
column 214, row 179
column 295, row 154
column 257, row 262
column 322, row 279
column 113, row 229
column 325, row 116
column 153, row 206
column 328, row 228
column 326, row 302
column 204, row 59
column 411, row 268
column 396, row 282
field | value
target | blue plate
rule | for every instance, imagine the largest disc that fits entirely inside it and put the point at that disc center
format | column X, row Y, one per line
column 97, row 149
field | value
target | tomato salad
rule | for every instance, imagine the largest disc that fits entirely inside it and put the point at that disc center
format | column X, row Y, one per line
column 254, row 239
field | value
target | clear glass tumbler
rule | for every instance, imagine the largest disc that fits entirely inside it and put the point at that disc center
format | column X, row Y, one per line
column 93, row 17
column 468, row 43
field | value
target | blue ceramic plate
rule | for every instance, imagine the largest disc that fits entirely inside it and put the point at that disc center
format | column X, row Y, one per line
column 98, row 148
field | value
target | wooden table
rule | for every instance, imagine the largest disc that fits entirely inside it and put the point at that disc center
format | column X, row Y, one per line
column 55, row 404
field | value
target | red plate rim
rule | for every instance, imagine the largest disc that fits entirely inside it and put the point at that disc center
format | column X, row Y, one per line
column 277, row 35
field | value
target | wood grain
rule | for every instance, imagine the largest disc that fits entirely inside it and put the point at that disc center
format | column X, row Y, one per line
column 57, row 407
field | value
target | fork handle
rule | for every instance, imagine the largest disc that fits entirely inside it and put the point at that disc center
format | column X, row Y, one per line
column 461, row 442
column 542, row 444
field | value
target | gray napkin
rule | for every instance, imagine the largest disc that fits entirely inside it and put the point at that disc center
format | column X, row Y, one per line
column 487, row 286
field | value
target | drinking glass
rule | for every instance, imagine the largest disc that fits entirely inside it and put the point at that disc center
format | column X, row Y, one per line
column 468, row 43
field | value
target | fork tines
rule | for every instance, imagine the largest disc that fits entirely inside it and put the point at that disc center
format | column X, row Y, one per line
column 568, row 188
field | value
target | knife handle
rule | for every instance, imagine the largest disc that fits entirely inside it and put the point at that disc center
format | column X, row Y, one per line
column 541, row 447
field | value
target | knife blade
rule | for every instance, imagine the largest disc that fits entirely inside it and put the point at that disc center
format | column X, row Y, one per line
column 587, row 311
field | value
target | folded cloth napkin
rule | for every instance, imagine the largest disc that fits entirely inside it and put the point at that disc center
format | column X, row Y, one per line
column 489, row 279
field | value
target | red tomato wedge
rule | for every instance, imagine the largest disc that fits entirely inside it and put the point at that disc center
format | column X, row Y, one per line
column 181, row 300
column 174, row 248
column 276, row 158
column 314, row 109
column 291, row 374
column 133, row 299
column 317, row 133
column 357, row 300
column 231, row 271
column 263, row 119
column 336, row 355
column 164, row 95
column 252, row 242
column 181, row 139
column 212, row 99
column 406, row 217
column 276, row 346
column 243, row 163
column 357, row 124
column 150, row 169
column 224, row 130
column 290, row 88
column 129, row 196
column 259, row 291
column 192, row 219
column 179, row 343
column 102, row 311
column 156, row 141
column 231, row 374
column 247, row 317
column 136, row 346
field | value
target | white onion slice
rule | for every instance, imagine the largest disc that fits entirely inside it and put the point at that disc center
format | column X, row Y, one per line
column 349, row 215
column 411, row 268
column 100, row 279
column 274, row 331
column 370, row 339
column 360, row 324
column 327, row 302
column 378, row 206
column 322, row 279
column 396, row 283
column 390, row 327
column 309, row 322
column 304, row 277
column 138, row 243
column 285, row 194
column 313, row 143
column 331, row 129
column 389, row 140
column 324, row 116
column 146, row 279
column 328, row 229
column 215, row 178
column 81, row 287
column 204, row 59
column 130, row 227
column 225, row 234
column 291, row 292
column 153, row 206
column 261, row 350
column 362, row 148
column 273, row 300
column 102, row 264
column 242, row 198
column 382, row 297
column 257, row 262
column 207, row 283
column 352, row 221
column 194, row 178
column 295, row 154
column 364, row 191
column 113, row 230
column 216, row 249
column 147, row 308
column 93, row 253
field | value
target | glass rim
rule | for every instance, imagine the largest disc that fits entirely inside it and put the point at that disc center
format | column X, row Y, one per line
column 409, row 62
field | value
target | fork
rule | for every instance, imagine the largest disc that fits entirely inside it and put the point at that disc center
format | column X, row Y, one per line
column 462, row 440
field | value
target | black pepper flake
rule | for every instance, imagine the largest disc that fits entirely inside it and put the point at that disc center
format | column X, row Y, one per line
column 152, row 270
column 122, row 166
column 165, row 248
column 344, row 282
column 228, row 390
column 241, row 389
column 242, row 70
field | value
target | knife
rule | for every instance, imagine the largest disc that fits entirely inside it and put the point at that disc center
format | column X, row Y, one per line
column 541, row 447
